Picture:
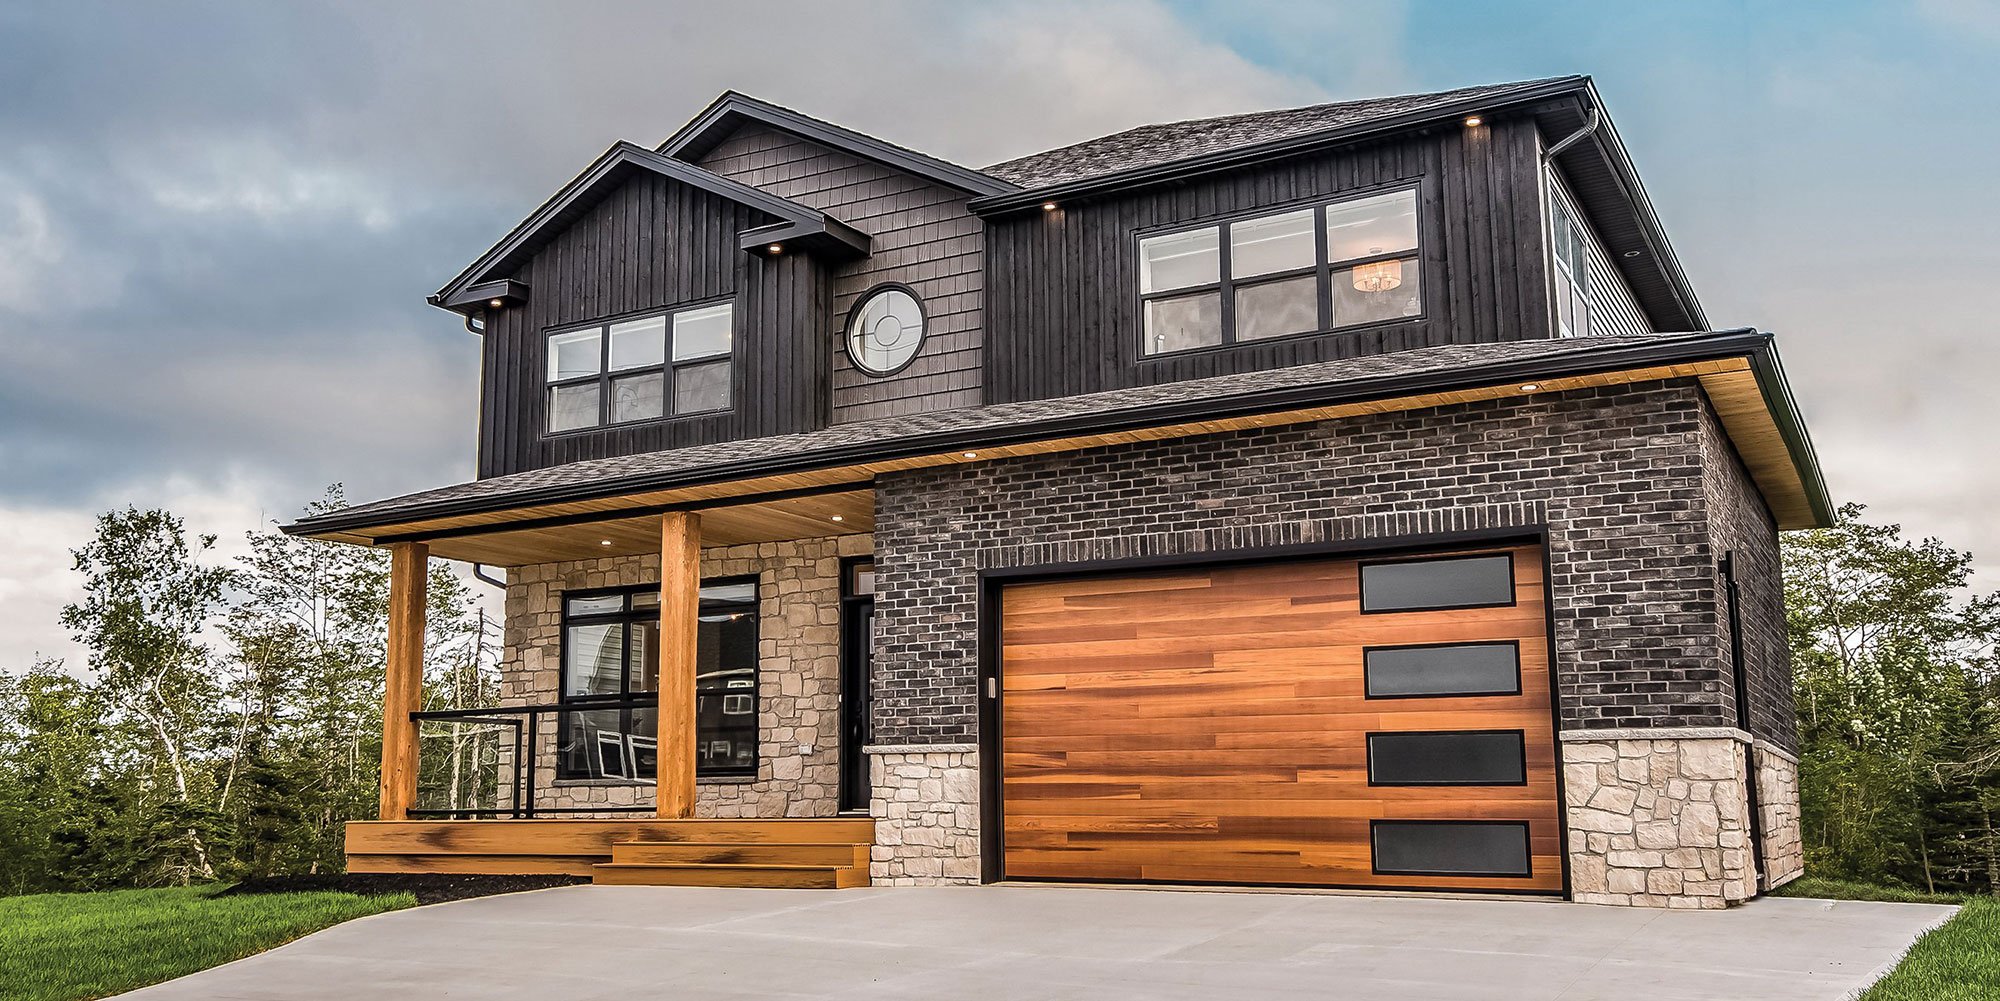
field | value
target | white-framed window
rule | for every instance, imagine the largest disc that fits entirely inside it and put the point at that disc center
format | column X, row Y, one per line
column 645, row 368
column 1570, row 271
column 1318, row 267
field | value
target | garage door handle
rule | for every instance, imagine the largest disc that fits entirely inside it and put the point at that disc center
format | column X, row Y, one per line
column 993, row 688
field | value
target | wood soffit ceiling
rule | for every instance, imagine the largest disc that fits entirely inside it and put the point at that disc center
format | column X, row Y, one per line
column 814, row 503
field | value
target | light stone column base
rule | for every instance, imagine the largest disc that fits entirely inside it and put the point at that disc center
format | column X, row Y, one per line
column 925, row 801
column 1784, row 851
column 1658, row 821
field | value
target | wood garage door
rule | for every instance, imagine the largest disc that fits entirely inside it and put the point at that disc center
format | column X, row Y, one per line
column 1257, row 724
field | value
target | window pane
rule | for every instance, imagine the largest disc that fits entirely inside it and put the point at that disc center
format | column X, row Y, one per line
column 1276, row 243
column 1179, row 260
column 1387, row 290
column 1189, row 321
column 591, row 664
column 594, row 746
column 701, row 387
column 1467, row 669
column 1458, row 848
column 1365, row 227
column 639, row 343
column 1275, row 309
column 702, row 333
column 726, row 679
column 1448, row 759
column 596, row 606
column 572, row 407
column 642, row 642
column 886, row 331
column 573, row 355
column 719, row 595
column 637, row 397
column 1452, row 582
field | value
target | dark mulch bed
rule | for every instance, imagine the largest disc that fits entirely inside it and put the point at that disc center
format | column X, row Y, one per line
column 428, row 888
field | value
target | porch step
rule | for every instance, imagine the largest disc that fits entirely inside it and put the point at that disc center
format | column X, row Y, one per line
column 804, row 877
column 817, row 853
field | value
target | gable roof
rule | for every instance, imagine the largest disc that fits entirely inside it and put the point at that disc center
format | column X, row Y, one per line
column 1173, row 142
column 796, row 224
column 734, row 109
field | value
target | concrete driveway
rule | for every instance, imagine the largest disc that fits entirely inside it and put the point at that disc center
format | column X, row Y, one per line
column 613, row 942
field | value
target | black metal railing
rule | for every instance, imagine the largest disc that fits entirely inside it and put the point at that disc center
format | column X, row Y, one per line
column 522, row 727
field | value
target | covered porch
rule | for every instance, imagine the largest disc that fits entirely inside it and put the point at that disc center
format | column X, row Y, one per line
column 635, row 783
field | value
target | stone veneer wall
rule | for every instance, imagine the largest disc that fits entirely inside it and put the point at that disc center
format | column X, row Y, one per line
column 1657, row 818
column 1778, row 815
column 798, row 673
column 925, row 801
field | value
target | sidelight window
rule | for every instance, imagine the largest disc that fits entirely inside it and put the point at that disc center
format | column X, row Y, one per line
column 1450, row 847
column 1323, row 267
column 1453, row 758
column 1436, row 584
column 648, row 368
column 610, row 656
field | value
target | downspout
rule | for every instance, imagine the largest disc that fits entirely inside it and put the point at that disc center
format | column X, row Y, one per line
column 1596, row 119
column 479, row 571
column 1742, row 678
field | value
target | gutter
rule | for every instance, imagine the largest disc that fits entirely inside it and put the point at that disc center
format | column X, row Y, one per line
column 1755, row 345
column 1230, row 158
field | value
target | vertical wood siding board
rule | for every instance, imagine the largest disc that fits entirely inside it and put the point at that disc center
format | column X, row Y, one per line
column 1507, row 241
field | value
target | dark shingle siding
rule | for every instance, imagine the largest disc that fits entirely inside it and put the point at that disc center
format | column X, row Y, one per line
column 920, row 235
column 1151, row 145
column 1617, row 475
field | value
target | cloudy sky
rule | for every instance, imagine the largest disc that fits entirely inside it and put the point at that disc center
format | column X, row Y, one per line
column 218, row 220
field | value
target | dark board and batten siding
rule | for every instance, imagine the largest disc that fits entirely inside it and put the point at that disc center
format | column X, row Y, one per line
column 921, row 236
column 1062, row 308
column 652, row 244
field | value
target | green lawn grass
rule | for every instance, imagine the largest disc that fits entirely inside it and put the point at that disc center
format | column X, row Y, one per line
column 73, row 946
column 1958, row 961
column 1840, row 889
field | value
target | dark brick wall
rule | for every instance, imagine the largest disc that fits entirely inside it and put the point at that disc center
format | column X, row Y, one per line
column 1616, row 474
column 1741, row 522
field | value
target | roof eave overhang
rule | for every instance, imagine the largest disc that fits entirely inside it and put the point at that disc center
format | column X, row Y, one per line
column 732, row 110
column 1195, row 166
column 1757, row 347
column 613, row 168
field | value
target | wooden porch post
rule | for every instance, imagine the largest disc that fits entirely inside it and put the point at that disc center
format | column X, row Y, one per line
column 409, row 575
column 680, row 611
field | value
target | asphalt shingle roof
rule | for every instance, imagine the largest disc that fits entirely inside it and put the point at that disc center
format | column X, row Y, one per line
column 597, row 477
column 1150, row 145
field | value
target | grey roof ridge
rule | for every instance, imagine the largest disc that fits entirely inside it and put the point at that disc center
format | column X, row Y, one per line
column 833, row 133
column 998, row 424
column 1227, row 157
column 623, row 151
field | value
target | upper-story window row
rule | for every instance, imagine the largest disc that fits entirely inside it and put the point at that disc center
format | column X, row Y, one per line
column 1302, row 271
column 641, row 369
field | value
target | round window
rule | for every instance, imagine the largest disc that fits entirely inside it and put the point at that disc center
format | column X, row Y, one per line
column 885, row 331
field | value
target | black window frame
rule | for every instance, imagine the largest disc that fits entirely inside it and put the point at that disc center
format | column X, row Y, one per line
column 1368, row 756
column 1368, row 692
column 1527, row 852
column 573, row 704
column 854, row 313
column 1513, row 583
column 669, row 365
column 1322, row 270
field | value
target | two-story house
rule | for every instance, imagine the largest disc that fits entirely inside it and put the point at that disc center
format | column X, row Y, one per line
column 1348, row 496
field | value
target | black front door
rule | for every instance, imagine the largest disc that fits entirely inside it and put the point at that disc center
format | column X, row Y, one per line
column 857, row 655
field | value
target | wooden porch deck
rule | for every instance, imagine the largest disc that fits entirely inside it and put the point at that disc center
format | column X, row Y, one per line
column 824, row 853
